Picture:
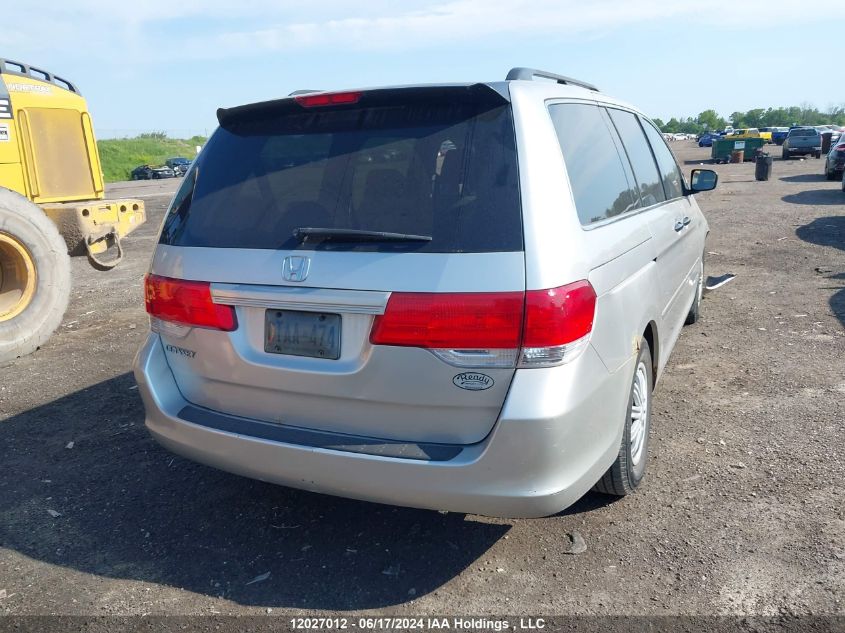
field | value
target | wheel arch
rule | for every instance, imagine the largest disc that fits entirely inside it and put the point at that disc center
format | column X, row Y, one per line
column 651, row 337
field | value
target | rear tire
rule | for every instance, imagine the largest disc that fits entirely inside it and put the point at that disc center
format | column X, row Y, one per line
column 784, row 155
column 34, row 279
column 818, row 154
column 830, row 175
column 627, row 472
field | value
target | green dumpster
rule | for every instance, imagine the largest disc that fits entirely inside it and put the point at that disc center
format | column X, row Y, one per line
column 721, row 150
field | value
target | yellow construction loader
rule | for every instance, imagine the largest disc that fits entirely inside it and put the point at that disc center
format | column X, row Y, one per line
column 52, row 203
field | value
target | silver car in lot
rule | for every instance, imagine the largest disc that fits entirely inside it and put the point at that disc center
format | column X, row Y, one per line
column 455, row 297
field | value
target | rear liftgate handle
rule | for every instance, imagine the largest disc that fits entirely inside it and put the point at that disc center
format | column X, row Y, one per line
column 110, row 234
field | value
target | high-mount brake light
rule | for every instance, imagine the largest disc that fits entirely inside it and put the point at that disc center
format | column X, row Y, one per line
column 187, row 303
column 538, row 328
column 327, row 99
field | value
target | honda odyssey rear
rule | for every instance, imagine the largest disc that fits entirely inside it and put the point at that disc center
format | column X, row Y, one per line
column 378, row 294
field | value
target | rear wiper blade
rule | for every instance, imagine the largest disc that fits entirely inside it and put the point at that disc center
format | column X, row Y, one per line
column 310, row 233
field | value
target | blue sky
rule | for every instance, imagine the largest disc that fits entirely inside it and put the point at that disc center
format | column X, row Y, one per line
column 167, row 65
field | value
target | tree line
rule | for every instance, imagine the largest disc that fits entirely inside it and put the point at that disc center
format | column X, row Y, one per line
column 758, row 117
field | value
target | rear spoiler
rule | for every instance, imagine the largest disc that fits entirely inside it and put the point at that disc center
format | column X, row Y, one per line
column 481, row 94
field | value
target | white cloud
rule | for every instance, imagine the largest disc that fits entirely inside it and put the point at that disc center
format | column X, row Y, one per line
column 129, row 58
column 161, row 29
column 402, row 26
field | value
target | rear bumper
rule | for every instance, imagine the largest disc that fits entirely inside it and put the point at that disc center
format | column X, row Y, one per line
column 803, row 150
column 558, row 433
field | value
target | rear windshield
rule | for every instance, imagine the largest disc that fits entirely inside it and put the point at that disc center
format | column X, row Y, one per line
column 432, row 162
column 804, row 131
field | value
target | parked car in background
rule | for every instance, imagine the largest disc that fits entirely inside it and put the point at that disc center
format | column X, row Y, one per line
column 779, row 134
column 769, row 133
column 802, row 141
column 750, row 132
column 833, row 130
column 148, row 172
column 437, row 334
column 706, row 140
column 837, row 132
column 178, row 164
column 834, row 163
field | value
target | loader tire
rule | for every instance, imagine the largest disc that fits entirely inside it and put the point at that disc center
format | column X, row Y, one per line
column 34, row 276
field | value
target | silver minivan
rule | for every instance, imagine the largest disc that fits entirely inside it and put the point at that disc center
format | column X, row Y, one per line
column 455, row 297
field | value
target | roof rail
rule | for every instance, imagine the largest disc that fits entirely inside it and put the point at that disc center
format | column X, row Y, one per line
column 528, row 74
column 11, row 67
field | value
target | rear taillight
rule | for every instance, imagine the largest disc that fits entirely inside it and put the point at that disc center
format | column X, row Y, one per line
column 327, row 99
column 558, row 323
column 186, row 303
column 840, row 148
column 537, row 328
column 464, row 329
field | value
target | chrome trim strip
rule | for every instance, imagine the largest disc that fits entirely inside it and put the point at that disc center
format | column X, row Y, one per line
column 305, row 299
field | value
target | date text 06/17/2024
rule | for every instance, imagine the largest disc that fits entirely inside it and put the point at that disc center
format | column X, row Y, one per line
column 415, row 624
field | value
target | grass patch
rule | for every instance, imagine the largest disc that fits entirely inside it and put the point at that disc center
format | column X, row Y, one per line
column 120, row 156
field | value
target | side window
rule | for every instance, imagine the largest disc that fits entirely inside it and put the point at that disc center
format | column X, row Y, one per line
column 669, row 171
column 596, row 171
column 639, row 153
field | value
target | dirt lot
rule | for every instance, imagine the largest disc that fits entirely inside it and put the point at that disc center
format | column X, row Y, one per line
column 742, row 512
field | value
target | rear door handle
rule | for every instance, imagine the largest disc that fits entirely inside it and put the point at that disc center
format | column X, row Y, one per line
column 686, row 220
column 679, row 225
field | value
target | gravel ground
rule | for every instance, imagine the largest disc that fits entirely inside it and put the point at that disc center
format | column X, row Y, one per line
column 742, row 511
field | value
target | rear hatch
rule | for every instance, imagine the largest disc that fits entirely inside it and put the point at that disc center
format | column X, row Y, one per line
column 804, row 138
column 369, row 248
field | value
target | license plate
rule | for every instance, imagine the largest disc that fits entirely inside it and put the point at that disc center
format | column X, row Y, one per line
column 313, row 334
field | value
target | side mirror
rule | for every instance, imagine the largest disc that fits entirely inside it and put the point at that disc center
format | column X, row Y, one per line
column 703, row 180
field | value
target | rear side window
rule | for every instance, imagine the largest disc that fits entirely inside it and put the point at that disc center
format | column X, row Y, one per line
column 639, row 153
column 438, row 162
column 597, row 173
column 669, row 170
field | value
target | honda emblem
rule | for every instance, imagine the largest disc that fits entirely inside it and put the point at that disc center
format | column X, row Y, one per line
column 295, row 268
